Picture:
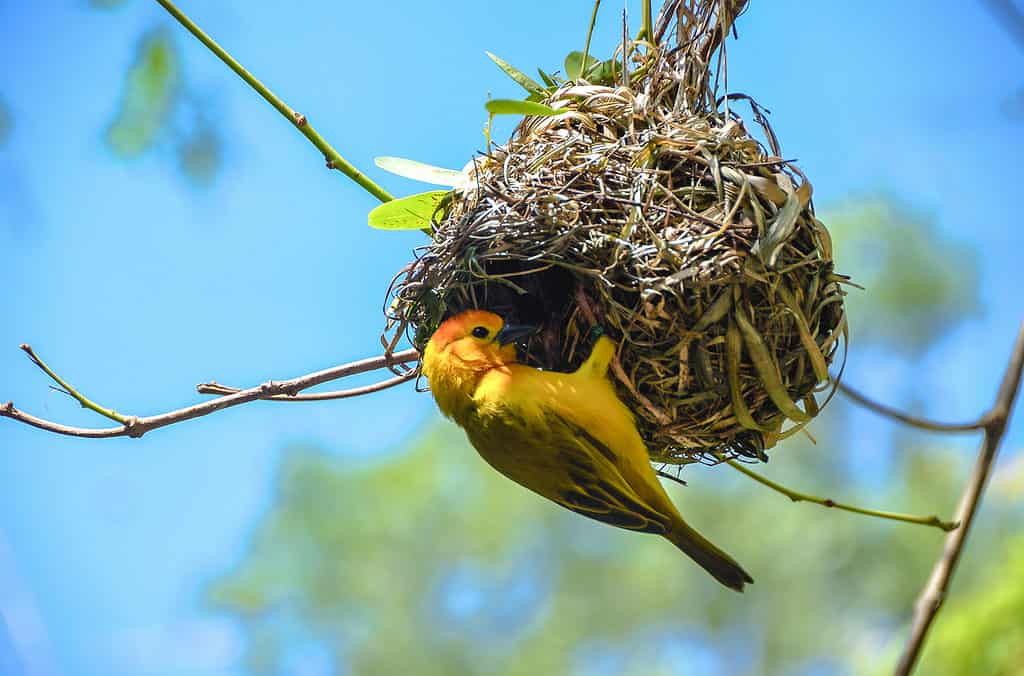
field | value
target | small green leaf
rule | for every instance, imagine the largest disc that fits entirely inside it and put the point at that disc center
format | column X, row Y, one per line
column 547, row 79
column 524, row 80
column 415, row 212
column 418, row 171
column 574, row 65
column 516, row 107
column 602, row 72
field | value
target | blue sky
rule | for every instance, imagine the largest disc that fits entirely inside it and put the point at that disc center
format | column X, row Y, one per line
column 136, row 285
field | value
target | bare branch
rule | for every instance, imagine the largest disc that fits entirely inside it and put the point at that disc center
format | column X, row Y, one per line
column 934, row 593
column 907, row 419
column 217, row 388
column 133, row 426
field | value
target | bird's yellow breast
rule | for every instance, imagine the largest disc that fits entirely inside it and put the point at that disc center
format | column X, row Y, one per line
column 529, row 397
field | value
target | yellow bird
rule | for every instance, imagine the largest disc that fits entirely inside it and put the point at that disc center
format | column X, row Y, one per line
column 565, row 436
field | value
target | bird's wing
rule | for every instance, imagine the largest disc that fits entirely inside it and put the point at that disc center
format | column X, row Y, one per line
column 597, row 488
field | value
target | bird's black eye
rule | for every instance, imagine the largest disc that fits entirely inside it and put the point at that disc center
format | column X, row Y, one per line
column 480, row 332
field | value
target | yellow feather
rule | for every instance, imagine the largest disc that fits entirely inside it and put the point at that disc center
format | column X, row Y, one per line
column 565, row 436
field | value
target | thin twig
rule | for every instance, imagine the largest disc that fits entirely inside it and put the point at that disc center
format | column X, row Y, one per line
column 590, row 34
column 671, row 477
column 934, row 593
column 217, row 388
column 907, row 419
column 135, row 427
column 646, row 23
column 333, row 158
column 797, row 496
column 71, row 391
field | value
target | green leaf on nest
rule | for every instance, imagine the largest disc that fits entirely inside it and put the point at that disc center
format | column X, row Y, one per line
column 547, row 79
column 574, row 65
column 516, row 107
column 419, row 171
column 414, row 212
column 524, row 80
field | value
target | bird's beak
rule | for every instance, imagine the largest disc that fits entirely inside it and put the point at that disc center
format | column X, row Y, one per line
column 510, row 333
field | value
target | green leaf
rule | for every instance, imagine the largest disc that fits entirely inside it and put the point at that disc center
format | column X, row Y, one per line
column 418, row 171
column 516, row 107
column 602, row 72
column 574, row 65
column 150, row 90
column 547, row 79
column 524, row 80
column 414, row 212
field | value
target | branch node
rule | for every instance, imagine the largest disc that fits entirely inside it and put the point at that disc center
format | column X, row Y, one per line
column 829, row 502
column 7, row 409
column 996, row 417
column 330, row 163
column 133, row 427
column 300, row 119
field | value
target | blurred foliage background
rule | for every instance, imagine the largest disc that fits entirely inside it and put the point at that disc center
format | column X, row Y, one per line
column 422, row 560
column 158, row 107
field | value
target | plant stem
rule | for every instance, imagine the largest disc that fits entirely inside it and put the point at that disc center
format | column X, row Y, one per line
column 67, row 389
column 590, row 34
column 646, row 23
column 334, row 160
column 796, row 496
column 913, row 421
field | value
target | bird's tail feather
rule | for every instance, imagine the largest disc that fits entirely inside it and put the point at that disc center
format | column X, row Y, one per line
column 709, row 557
column 596, row 365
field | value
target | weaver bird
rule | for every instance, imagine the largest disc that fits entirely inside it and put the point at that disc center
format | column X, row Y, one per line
column 565, row 436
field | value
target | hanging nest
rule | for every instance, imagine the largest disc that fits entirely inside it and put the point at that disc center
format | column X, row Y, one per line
column 647, row 208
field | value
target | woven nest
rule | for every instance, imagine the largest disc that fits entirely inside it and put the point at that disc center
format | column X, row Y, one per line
column 648, row 210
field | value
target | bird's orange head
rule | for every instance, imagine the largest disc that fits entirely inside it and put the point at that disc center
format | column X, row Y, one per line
column 463, row 349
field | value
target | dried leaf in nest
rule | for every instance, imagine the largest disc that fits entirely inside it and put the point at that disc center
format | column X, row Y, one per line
column 670, row 226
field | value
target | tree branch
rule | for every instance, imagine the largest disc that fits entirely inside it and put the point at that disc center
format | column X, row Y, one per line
column 934, row 593
column 333, row 158
column 214, row 387
column 796, row 496
column 907, row 419
column 280, row 390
